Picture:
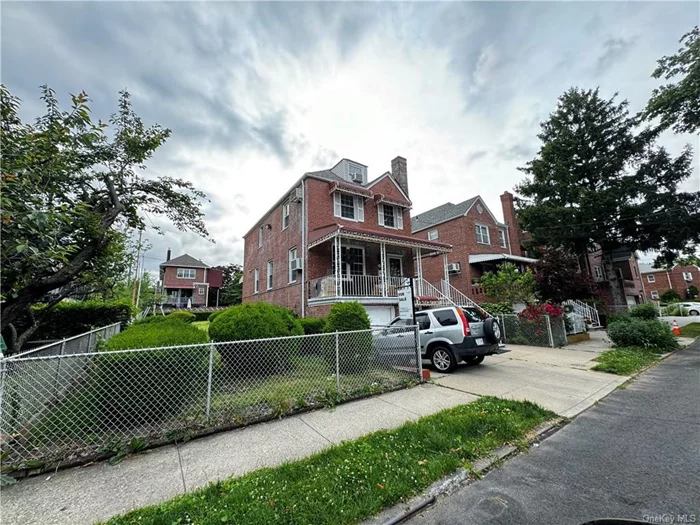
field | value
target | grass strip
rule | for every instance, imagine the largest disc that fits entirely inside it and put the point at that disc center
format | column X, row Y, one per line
column 690, row 330
column 625, row 361
column 202, row 325
column 356, row 479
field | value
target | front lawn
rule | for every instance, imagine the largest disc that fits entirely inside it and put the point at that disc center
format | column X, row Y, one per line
column 354, row 480
column 691, row 330
column 202, row 325
column 625, row 361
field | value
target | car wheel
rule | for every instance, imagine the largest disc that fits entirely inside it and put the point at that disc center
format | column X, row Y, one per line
column 443, row 360
column 492, row 329
column 475, row 360
column 694, row 312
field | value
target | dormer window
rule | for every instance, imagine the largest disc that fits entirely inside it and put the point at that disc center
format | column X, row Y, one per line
column 356, row 173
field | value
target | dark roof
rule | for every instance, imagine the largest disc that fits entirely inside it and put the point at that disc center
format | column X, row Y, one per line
column 185, row 261
column 440, row 214
column 326, row 174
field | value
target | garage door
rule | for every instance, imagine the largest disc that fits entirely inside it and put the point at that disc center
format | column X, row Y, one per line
column 380, row 315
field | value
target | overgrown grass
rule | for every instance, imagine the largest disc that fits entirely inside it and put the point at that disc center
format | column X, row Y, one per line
column 356, row 479
column 202, row 325
column 691, row 330
column 625, row 361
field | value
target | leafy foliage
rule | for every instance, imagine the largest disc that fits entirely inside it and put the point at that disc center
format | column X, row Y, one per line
column 69, row 318
column 498, row 308
column 632, row 331
column 313, row 325
column 644, row 311
column 231, row 292
column 509, row 284
column 670, row 296
column 345, row 317
column 155, row 332
column 692, row 292
column 214, row 315
column 183, row 315
column 558, row 276
column 678, row 105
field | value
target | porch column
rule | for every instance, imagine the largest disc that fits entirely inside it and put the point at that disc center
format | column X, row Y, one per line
column 382, row 264
column 338, row 274
column 444, row 264
column 419, row 271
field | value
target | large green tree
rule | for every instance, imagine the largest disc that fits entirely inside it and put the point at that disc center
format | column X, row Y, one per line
column 599, row 180
column 231, row 289
column 70, row 187
column 677, row 105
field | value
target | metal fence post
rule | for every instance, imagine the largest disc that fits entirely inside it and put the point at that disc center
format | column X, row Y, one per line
column 337, row 362
column 549, row 331
column 420, row 361
column 209, row 380
column 58, row 368
column 503, row 327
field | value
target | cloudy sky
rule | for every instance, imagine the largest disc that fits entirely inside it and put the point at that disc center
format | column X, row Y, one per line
column 257, row 94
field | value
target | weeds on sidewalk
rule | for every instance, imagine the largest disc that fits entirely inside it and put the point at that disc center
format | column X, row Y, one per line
column 625, row 361
column 356, row 479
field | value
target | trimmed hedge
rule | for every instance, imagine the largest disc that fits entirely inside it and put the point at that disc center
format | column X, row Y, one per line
column 214, row 315
column 313, row 325
column 354, row 350
column 644, row 311
column 184, row 315
column 631, row 331
column 69, row 318
column 157, row 331
column 345, row 317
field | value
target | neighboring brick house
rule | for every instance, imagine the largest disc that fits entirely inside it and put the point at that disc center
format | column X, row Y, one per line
column 187, row 281
column 626, row 265
column 679, row 278
column 480, row 242
column 333, row 237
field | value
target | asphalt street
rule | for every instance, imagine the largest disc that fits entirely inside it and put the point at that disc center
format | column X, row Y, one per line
column 635, row 455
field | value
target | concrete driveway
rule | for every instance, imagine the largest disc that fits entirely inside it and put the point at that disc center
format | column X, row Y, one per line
column 559, row 379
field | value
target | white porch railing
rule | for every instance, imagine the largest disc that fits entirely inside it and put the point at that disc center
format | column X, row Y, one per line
column 424, row 290
column 585, row 310
column 354, row 286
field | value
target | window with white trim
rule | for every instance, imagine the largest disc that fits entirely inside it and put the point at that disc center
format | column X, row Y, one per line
column 687, row 276
column 285, row 216
column 433, row 235
column 350, row 207
column 186, row 273
column 502, row 238
column 651, row 279
column 256, row 280
column 260, row 236
column 390, row 216
column 269, row 275
column 654, row 295
column 482, row 234
column 200, row 290
column 355, row 172
column 292, row 257
column 598, row 272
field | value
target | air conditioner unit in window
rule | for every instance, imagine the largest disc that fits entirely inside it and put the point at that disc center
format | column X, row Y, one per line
column 454, row 268
column 357, row 177
column 296, row 195
column 688, row 276
column 296, row 264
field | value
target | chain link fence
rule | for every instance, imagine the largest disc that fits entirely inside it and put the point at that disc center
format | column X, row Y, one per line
column 74, row 407
column 545, row 331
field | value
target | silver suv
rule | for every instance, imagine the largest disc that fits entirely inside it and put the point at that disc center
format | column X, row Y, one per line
column 452, row 334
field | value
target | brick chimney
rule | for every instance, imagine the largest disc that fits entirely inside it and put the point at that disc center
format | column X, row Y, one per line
column 400, row 173
column 167, row 256
column 511, row 219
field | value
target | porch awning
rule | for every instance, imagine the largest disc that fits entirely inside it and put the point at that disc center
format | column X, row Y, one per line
column 490, row 257
column 321, row 235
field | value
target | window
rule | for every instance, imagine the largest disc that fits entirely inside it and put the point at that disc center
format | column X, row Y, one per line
column 349, row 207
column 200, row 290
column 502, row 238
column 654, row 295
column 292, row 262
column 395, row 266
column 598, row 272
column 285, row 216
column 423, row 321
column 472, row 315
column 651, row 278
column 352, row 260
column 687, row 276
column 433, row 235
column 256, row 280
column 634, row 269
column 355, row 173
column 482, row 234
column 390, row 216
column 260, row 230
column 446, row 317
column 269, row 275
column 186, row 273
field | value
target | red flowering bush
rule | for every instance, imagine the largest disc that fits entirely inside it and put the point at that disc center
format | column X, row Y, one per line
column 536, row 312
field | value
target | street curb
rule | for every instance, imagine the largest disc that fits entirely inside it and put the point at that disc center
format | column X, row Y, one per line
column 449, row 484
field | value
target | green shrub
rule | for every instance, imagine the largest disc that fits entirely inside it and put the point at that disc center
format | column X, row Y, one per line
column 69, row 318
column 202, row 315
column 670, row 296
column 644, row 311
column 183, row 315
column 155, row 332
column 313, row 325
column 354, row 350
column 214, row 315
column 252, row 321
column 655, row 334
column 345, row 317
column 498, row 308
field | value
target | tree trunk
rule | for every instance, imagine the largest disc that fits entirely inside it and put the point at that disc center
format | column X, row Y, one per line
column 616, row 287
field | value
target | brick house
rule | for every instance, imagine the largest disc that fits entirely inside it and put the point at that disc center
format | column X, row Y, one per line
column 336, row 236
column 626, row 265
column 679, row 278
column 186, row 280
column 480, row 242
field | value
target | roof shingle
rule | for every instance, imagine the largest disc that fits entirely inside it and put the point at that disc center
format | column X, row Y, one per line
column 440, row 214
column 185, row 261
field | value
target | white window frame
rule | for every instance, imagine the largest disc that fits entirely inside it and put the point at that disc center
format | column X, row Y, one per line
column 269, row 280
column 397, row 214
column 502, row 238
column 260, row 237
column 354, row 169
column 687, row 276
column 256, row 281
column 598, row 272
column 433, row 235
column 292, row 275
column 358, row 204
column 285, row 216
column 388, row 259
column 651, row 279
column 654, row 294
column 351, row 247
column 488, row 235
column 191, row 273
column 200, row 290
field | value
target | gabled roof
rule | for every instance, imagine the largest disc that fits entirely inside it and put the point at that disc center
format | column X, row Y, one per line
column 648, row 268
column 442, row 213
column 388, row 175
column 185, row 261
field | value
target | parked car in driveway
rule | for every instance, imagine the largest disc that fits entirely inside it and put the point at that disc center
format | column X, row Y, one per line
column 452, row 334
column 692, row 307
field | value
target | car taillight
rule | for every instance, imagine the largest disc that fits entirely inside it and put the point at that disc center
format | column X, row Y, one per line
column 465, row 324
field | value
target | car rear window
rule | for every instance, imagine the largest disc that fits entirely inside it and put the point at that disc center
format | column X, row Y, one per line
column 472, row 315
column 446, row 317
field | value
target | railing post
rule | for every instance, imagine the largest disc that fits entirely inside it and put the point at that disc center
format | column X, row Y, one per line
column 58, row 368
column 209, row 380
column 549, row 330
column 420, row 361
column 337, row 362
column 503, row 326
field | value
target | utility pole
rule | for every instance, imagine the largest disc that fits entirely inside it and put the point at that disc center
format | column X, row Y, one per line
column 137, row 273
column 138, row 293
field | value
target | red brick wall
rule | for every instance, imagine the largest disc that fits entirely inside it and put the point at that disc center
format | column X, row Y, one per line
column 170, row 279
column 678, row 284
column 511, row 219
